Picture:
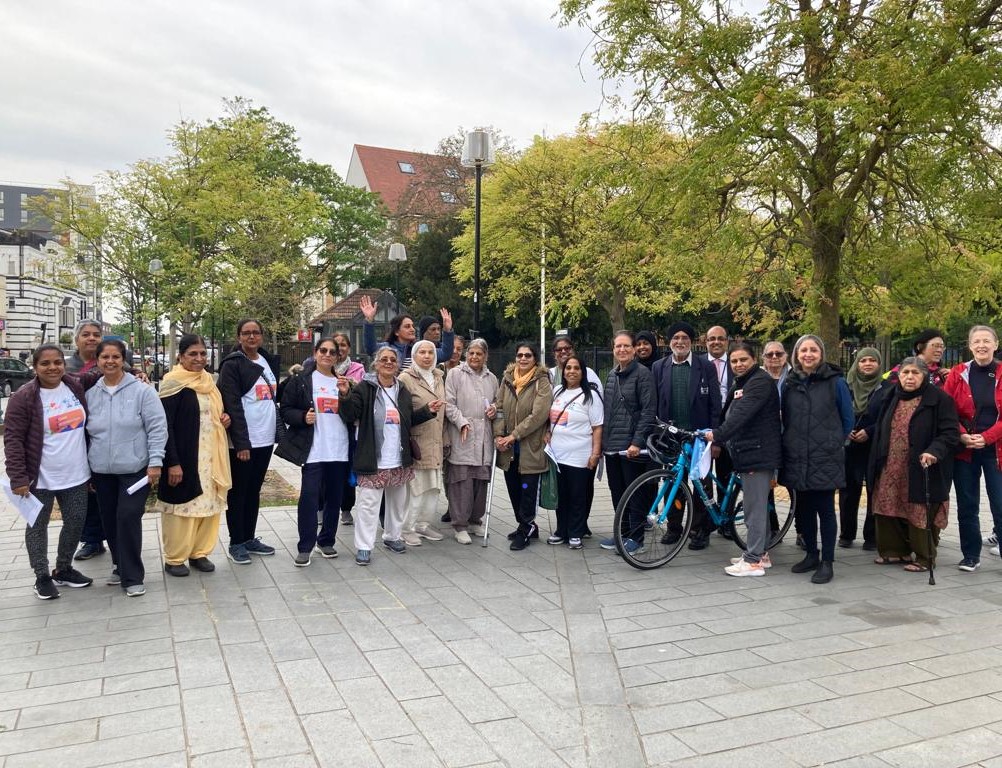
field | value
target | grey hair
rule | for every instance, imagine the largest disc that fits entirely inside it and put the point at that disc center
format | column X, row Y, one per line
column 986, row 328
column 85, row 323
column 916, row 361
column 479, row 343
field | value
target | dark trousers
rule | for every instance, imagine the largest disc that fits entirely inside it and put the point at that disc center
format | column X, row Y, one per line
column 243, row 501
column 326, row 479
column 620, row 472
column 573, row 486
column 814, row 506
column 967, row 483
column 523, row 490
column 93, row 530
column 347, row 495
column 857, row 456
column 122, row 517
column 72, row 505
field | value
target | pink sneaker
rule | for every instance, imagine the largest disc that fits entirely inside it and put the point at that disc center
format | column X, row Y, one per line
column 744, row 568
column 765, row 562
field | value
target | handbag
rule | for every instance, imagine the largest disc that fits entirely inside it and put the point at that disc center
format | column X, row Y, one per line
column 280, row 430
column 548, row 485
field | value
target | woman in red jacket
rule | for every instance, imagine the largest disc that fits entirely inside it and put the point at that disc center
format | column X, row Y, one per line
column 976, row 388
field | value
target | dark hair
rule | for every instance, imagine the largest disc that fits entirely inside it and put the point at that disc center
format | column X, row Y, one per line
column 742, row 346
column 322, row 340
column 531, row 347
column 395, row 323
column 585, row 384
column 241, row 323
column 189, row 340
column 344, row 336
column 112, row 343
column 624, row 332
column 42, row 349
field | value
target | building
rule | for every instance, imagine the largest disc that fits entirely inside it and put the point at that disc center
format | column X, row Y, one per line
column 345, row 317
column 14, row 212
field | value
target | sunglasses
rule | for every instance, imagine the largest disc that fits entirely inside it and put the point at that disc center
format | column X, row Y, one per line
column 327, row 351
column 523, row 355
column 563, row 349
column 774, row 354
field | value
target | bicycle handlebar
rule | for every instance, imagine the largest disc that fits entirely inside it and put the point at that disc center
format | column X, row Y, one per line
column 655, row 440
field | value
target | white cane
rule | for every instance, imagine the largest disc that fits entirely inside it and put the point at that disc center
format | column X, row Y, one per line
column 490, row 495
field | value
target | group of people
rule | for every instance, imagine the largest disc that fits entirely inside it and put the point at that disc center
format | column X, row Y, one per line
column 382, row 447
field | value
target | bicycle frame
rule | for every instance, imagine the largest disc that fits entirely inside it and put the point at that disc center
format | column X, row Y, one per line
column 681, row 470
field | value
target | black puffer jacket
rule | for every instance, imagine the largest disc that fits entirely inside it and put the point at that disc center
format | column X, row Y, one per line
column 297, row 399
column 813, row 431
column 630, row 407
column 751, row 428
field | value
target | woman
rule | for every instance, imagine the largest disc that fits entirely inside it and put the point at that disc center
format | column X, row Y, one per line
column 912, row 466
column 426, row 385
column 318, row 441
column 522, row 412
column 353, row 371
column 976, row 388
column 247, row 380
column 647, row 349
column 630, row 408
column 929, row 346
column 750, row 429
column 817, row 418
column 774, row 361
column 382, row 462
column 46, row 455
column 575, row 440
column 198, row 463
column 864, row 379
column 127, row 428
column 470, row 391
column 403, row 333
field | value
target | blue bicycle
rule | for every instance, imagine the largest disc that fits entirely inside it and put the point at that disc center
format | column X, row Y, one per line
column 656, row 508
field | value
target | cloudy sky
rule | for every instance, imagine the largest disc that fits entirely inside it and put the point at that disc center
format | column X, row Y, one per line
column 94, row 86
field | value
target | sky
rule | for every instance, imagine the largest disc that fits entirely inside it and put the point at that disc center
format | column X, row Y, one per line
column 91, row 87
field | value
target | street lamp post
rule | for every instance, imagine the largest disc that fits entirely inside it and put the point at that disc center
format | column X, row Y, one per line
column 398, row 253
column 156, row 267
column 477, row 153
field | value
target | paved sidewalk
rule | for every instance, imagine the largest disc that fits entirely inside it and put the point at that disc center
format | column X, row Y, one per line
column 463, row 656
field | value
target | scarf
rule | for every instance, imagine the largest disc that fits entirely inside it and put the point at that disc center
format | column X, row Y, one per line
column 862, row 386
column 521, row 380
column 201, row 383
column 342, row 368
column 427, row 374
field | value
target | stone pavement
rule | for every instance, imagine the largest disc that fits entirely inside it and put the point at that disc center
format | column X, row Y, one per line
column 464, row 656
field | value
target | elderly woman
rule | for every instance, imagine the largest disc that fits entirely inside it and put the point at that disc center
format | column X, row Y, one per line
column 864, row 379
column 385, row 415
column 817, row 418
column 911, row 466
column 775, row 361
column 426, row 384
column 523, row 408
column 197, row 460
column 248, row 378
column 128, row 434
column 575, row 439
column 46, row 455
column 976, row 389
column 470, row 391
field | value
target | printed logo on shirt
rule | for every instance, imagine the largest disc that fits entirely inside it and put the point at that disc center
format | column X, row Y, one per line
column 262, row 392
column 557, row 418
column 392, row 416
column 66, row 421
column 327, row 404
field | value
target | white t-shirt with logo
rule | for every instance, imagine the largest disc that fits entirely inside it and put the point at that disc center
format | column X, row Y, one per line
column 389, row 456
column 330, row 435
column 64, row 443
column 259, row 407
column 570, row 427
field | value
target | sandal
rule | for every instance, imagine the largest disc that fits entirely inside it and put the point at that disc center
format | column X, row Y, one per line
column 892, row 561
column 915, row 568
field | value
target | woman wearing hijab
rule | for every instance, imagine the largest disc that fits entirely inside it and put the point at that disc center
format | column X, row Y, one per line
column 426, row 384
column 864, row 379
column 912, row 463
column 647, row 349
column 817, row 418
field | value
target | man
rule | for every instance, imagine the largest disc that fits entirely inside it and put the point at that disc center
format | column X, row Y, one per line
column 87, row 335
column 430, row 329
column 689, row 396
column 563, row 348
column 716, row 352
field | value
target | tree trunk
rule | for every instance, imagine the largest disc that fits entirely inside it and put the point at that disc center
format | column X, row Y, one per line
column 615, row 305
column 826, row 254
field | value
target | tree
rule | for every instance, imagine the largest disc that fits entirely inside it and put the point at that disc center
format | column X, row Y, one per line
column 835, row 131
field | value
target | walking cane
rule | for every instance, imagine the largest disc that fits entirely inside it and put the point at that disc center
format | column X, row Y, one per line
column 929, row 514
column 490, row 495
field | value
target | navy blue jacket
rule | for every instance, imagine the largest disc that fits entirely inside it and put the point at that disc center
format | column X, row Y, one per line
column 704, row 391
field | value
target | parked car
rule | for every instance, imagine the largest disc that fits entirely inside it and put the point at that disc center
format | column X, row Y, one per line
column 13, row 373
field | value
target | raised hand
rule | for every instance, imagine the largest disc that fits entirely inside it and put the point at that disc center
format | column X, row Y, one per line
column 446, row 319
column 368, row 308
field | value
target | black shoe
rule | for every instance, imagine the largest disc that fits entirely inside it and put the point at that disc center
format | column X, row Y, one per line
column 699, row 541
column 69, row 577
column 845, row 543
column 45, row 589
column 177, row 570
column 671, row 538
column 824, row 573
column 533, row 535
column 869, row 546
column 808, row 564
column 523, row 538
column 446, row 518
column 203, row 564
column 89, row 550
column 726, row 531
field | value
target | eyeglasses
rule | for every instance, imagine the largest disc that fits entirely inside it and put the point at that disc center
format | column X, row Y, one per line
column 716, row 338
column 563, row 349
column 250, row 333
column 327, row 351
column 774, row 354
column 523, row 355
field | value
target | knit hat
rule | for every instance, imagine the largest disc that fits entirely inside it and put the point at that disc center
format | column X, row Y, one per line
column 682, row 326
column 425, row 323
column 924, row 338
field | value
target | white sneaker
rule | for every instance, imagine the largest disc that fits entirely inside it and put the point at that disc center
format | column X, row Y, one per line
column 991, row 540
column 411, row 539
column 463, row 537
column 425, row 531
column 744, row 568
column 994, row 551
column 765, row 562
column 476, row 529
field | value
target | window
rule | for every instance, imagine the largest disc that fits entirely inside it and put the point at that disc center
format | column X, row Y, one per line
column 11, row 304
column 422, row 228
column 11, row 266
column 1, row 195
column 1, row 209
column 24, row 215
column 405, row 167
column 67, row 318
column 452, row 173
column 449, row 197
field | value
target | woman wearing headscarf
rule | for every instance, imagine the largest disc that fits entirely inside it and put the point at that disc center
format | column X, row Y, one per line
column 976, row 389
column 912, row 466
column 817, row 418
column 426, row 384
column 197, row 461
column 647, row 349
column 864, row 379
column 470, row 391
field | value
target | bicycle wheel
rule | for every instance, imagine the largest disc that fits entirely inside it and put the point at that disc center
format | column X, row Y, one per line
column 644, row 503
column 781, row 503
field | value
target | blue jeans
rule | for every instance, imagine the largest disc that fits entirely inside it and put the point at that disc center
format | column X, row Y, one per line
column 967, row 483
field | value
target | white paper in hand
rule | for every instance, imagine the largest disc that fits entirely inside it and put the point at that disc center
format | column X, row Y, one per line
column 27, row 507
column 701, row 458
column 144, row 480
